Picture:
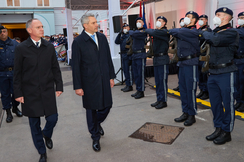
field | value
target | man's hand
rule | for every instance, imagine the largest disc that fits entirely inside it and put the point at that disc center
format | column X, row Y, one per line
column 58, row 93
column 20, row 99
column 79, row 92
column 111, row 83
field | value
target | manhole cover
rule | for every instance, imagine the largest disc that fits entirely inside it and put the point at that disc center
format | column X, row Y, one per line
column 160, row 133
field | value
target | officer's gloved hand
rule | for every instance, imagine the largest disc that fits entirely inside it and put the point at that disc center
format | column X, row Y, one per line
column 130, row 62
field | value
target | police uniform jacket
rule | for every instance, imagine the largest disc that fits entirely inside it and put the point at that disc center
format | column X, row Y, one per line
column 188, row 44
column 204, row 28
column 138, row 37
column 92, row 69
column 160, row 45
column 7, row 56
column 36, row 72
column 223, row 46
column 121, row 39
column 240, row 51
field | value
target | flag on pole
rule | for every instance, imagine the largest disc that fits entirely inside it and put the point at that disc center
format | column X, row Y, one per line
column 140, row 13
column 144, row 17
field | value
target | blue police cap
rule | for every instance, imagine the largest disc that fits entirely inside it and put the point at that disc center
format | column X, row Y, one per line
column 2, row 27
column 193, row 13
column 139, row 18
column 241, row 14
column 203, row 16
column 225, row 10
column 162, row 17
column 125, row 25
column 181, row 19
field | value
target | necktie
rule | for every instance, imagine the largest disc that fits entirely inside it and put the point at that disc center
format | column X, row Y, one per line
column 93, row 37
column 37, row 43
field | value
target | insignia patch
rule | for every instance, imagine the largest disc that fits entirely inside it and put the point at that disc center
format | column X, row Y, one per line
column 243, row 13
column 191, row 12
column 1, row 47
column 224, row 9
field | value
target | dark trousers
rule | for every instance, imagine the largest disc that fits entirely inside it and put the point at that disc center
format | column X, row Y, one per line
column 239, row 95
column 188, row 77
column 221, row 90
column 127, row 71
column 36, row 131
column 138, row 66
column 7, row 94
column 161, row 79
column 203, row 78
column 94, row 119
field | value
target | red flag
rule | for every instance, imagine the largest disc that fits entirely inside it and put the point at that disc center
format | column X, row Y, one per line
column 140, row 15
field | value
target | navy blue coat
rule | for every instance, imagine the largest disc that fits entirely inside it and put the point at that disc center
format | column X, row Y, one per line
column 92, row 69
column 122, row 41
column 202, row 40
column 240, row 51
column 188, row 44
column 138, row 37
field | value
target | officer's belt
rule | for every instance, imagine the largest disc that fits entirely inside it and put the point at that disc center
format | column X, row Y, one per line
column 140, row 51
column 123, row 52
column 219, row 66
column 160, row 54
column 188, row 57
column 239, row 56
column 8, row 69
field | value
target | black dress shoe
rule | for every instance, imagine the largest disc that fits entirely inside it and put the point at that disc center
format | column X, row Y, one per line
column 237, row 105
column 190, row 120
column 9, row 118
column 123, row 88
column 134, row 94
column 204, row 96
column 214, row 135
column 222, row 138
column 177, row 89
column 155, row 103
column 128, row 89
column 161, row 105
column 101, row 131
column 43, row 158
column 182, row 118
column 139, row 95
column 17, row 111
column 48, row 141
column 241, row 108
column 200, row 94
column 96, row 146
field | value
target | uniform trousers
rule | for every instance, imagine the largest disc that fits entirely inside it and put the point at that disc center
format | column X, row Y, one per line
column 239, row 95
column 221, row 88
column 203, row 78
column 36, row 131
column 127, row 71
column 188, row 77
column 138, row 66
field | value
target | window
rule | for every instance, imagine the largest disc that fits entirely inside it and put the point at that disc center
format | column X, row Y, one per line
column 13, row 3
column 42, row 2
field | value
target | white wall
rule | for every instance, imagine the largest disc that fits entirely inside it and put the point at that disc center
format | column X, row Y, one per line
column 33, row 3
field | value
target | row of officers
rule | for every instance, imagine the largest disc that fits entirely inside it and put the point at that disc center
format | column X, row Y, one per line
column 212, row 58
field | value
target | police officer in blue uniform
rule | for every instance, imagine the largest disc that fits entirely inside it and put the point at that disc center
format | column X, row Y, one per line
column 126, row 59
column 203, row 77
column 188, row 51
column 239, row 61
column 224, row 41
column 139, row 57
column 7, row 47
column 160, row 60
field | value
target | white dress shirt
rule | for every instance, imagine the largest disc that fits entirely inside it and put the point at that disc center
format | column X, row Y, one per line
column 91, row 37
column 37, row 41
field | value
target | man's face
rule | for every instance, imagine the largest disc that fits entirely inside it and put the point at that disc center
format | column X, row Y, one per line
column 241, row 17
column 162, row 23
column 91, row 26
column 126, row 27
column 140, row 21
column 204, row 20
column 4, row 35
column 225, row 18
column 36, row 29
column 190, row 16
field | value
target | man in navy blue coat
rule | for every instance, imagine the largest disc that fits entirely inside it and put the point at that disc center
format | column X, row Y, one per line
column 93, row 75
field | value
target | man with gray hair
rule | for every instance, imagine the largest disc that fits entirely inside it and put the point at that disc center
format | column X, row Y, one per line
column 37, row 71
column 93, row 75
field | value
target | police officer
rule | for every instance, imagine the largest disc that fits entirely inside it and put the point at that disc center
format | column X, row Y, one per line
column 239, row 61
column 160, row 60
column 203, row 77
column 121, row 39
column 7, row 47
column 138, row 57
column 188, row 50
column 224, row 42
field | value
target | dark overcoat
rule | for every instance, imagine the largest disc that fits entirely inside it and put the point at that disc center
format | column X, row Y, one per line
column 36, row 77
column 92, row 70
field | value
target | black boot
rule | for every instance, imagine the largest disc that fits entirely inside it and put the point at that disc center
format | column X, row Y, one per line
column 134, row 94
column 237, row 105
column 122, row 89
column 190, row 120
column 214, row 135
column 182, row 118
column 9, row 118
column 241, row 108
column 204, row 96
column 200, row 94
column 161, row 105
column 155, row 103
column 17, row 111
column 223, row 138
column 128, row 88
column 177, row 89
column 139, row 95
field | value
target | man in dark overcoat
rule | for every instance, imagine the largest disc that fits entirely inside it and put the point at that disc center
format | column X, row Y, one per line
column 36, row 78
column 93, row 75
